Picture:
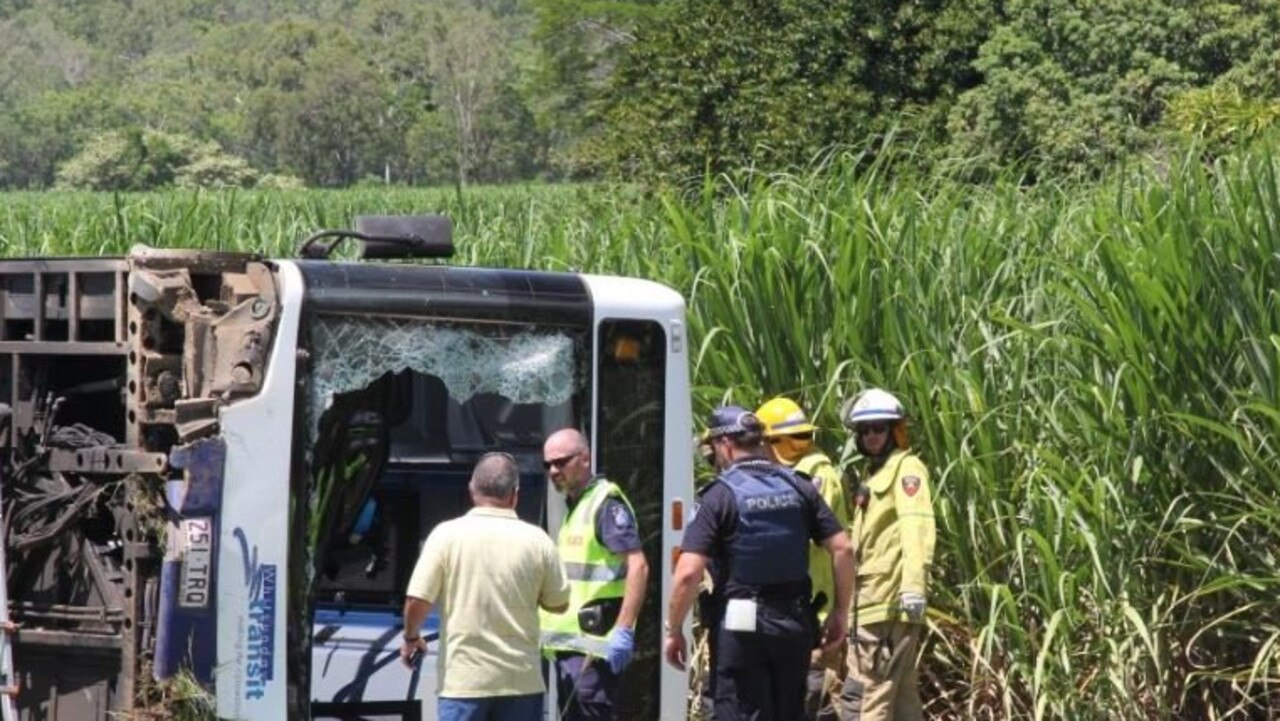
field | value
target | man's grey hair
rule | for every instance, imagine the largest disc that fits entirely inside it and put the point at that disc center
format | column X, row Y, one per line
column 495, row 476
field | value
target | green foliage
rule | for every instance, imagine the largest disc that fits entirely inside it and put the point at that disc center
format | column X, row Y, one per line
column 579, row 42
column 472, row 74
column 328, row 130
column 112, row 161
column 466, row 91
column 142, row 160
column 180, row 698
column 1222, row 116
column 35, row 56
column 47, row 130
column 721, row 85
column 216, row 171
column 1063, row 95
column 391, row 33
column 323, row 90
column 716, row 86
column 272, row 181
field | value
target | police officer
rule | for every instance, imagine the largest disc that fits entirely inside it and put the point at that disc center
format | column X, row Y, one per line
column 592, row 641
column 893, row 533
column 791, row 443
column 752, row 530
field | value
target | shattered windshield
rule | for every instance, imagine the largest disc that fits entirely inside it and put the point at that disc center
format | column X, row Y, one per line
column 520, row 366
column 389, row 393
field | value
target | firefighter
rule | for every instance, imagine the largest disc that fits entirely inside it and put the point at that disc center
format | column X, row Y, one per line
column 752, row 530
column 893, row 536
column 790, row 436
column 599, row 543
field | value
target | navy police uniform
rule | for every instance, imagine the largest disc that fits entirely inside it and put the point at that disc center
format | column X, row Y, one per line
column 586, row 688
column 755, row 524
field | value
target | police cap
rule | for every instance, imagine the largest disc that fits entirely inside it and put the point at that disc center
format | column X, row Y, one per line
column 732, row 421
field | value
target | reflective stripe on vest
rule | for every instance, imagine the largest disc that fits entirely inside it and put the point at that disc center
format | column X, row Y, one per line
column 772, row 540
column 593, row 571
column 584, row 643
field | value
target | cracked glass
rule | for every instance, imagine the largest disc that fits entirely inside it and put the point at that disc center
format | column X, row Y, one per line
column 525, row 366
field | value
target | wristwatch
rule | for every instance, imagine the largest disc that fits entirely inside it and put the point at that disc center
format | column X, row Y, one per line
column 411, row 639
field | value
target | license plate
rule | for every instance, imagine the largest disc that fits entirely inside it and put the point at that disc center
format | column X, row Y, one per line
column 196, row 582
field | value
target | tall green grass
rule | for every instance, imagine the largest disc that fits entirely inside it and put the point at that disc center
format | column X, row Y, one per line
column 1093, row 375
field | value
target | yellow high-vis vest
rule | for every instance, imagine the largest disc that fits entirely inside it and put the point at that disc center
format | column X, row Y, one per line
column 593, row 571
column 818, row 467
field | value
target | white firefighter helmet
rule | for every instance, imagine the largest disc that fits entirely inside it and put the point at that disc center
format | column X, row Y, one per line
column 873, row 404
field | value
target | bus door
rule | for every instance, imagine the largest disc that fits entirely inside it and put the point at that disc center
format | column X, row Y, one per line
column 644, row 442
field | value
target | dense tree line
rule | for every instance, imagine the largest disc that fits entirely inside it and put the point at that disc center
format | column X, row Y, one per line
column 138, row 93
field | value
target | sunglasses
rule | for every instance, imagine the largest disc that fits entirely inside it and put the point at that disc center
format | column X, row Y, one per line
column 866, row 428
column 559, row 462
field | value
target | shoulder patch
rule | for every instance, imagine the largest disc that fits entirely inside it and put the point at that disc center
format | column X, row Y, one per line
column 621, row 516
column 910, row 485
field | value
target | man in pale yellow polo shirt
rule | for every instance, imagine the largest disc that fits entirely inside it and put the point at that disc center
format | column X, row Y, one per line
column 489, row 572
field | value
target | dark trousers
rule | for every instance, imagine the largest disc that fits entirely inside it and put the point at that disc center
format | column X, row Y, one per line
column 761, row 676
column 710, row 616
column 586, row 688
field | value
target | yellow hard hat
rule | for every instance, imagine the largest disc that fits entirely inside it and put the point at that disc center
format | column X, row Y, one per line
column 782, row 417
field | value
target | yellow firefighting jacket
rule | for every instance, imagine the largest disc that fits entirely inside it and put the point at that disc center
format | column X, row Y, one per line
column 818, row 467
column 893, row 538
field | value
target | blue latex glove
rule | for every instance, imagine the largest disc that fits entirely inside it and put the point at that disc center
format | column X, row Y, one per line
column 621, row 643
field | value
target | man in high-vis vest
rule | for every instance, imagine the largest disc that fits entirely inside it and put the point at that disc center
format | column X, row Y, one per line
column 790, row 437
column 592, row 641
column 893, row 536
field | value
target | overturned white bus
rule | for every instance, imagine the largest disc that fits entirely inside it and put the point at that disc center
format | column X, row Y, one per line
column 218, row 469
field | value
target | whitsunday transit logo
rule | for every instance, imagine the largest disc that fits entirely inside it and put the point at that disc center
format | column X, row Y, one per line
column 260, row 633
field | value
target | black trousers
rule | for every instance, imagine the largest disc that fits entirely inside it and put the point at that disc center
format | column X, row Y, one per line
column 586, row 688
column 761, row 676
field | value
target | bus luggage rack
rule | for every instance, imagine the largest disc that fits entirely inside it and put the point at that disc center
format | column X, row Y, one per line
column 63, row 306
